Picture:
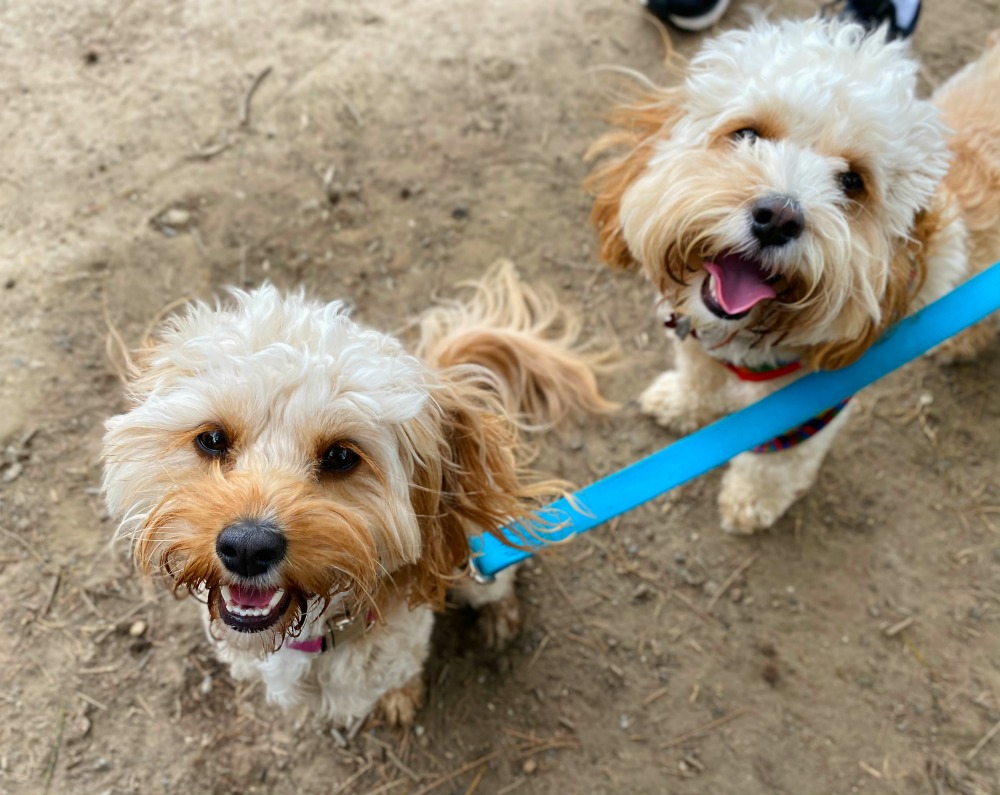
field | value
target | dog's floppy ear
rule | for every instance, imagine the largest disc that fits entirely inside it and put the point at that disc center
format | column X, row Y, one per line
column 906, row 275
column 640, row 124
column 473, row 484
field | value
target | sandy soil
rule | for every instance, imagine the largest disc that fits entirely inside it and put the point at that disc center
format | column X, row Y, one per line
column 394, row 149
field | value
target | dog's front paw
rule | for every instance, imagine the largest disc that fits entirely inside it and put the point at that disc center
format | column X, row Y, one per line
column 747, row 515
column 500, row 621
column 748, row 505
column 399, row 707
column 673, row 404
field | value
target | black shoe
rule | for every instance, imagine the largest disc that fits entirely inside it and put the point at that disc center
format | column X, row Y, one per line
column 692, row 15
column 901, row 16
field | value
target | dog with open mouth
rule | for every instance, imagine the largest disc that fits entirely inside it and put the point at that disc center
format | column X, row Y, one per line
column 315, row 485
column 789, row 201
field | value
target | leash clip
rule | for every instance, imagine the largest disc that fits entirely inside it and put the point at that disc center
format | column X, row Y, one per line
column 472, row 570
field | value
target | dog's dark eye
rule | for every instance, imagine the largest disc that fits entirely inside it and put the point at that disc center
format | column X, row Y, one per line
column 212, row 443
column 746, row 134
column 338, row 458
column 851, row 182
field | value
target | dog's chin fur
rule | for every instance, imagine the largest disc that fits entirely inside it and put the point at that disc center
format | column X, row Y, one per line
column 677, row 181
column 439, row 456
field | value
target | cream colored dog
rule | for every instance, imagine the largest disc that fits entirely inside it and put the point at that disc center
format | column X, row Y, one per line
column 315, row 484
column 789, row 201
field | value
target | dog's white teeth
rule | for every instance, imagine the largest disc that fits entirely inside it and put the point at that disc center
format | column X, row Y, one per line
column 713, row 288
column 235, row 608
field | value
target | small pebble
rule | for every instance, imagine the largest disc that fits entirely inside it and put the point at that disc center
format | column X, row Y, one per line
column 13, row 472
column 642, row 593
column 176, row 217
column 529, row 766
column 138, row 629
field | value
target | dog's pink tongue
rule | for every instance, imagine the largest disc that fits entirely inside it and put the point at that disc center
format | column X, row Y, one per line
column 740, row 283
column 251, row 597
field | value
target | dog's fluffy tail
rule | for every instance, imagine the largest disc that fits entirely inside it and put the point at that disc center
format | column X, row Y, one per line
column 529, row 342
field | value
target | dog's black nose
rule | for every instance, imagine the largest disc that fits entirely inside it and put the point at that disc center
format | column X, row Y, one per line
column 250, row 548
column 776, row 220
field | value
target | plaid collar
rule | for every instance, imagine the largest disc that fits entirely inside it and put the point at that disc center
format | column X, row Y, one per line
column 796, row 435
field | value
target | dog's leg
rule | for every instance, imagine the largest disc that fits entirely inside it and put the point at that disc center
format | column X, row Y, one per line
column 695, row 393
column 966, row 345
column 758, row 488
column 399, row 707
column 499, row 609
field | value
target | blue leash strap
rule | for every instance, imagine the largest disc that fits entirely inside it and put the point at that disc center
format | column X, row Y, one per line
column 712, row 446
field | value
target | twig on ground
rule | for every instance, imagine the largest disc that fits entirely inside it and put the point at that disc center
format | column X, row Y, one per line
column 352, row 778
column 569, row 601
column 517, row 782
column 727, row 583
column 31, row 550
column 92, row 701
column 117, row 622
column 209, row 151
column 248, row 97
column 982, row 742
column 475, row 782
column 52, row 593
column 352, row 109
column 56, row 745
column 145, row 706
column 457, row 772
column 538, row 652
column 386, row 787
column 871, row 771
column 895, row 629
column 701, row 731
column 695, row 609
column 392, row 757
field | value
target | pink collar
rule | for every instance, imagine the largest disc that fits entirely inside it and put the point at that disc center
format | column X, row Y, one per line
column 338, row 631
column 312, row 646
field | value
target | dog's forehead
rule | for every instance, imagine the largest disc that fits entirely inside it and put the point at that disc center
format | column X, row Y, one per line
column 817, row 76
column 284, row 349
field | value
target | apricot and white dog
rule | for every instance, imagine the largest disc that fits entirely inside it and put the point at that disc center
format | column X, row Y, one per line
column 315, row 484
column 789, row 200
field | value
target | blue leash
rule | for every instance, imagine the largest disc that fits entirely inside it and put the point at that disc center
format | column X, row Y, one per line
column 696, row 454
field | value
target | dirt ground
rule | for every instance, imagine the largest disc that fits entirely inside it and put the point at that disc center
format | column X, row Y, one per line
column 393, row 149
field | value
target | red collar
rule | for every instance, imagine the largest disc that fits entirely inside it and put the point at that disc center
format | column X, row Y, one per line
column 767, row 373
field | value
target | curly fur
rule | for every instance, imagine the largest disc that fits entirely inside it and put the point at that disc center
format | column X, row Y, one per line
column 678, row 179
column 439, row 449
